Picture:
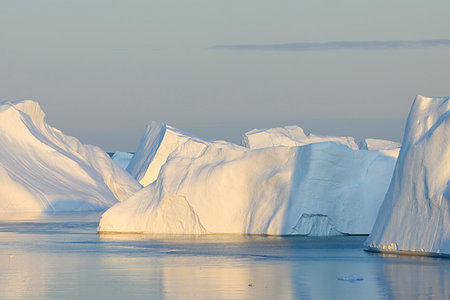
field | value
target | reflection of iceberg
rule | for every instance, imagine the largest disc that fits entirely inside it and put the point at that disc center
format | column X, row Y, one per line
column 223, row 188
column 23, row 275
column 204, row 267
column 415, row 215
column 41, row 169
column 413, row 277
column 225, row 279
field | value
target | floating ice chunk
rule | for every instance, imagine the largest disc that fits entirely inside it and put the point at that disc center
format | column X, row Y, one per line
column 351, row 278
column 415, row 215
column 41, row 169
column 289, row 136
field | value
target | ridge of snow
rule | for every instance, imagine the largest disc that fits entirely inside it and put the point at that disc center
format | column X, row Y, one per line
column 289, row 136
column 158, row 142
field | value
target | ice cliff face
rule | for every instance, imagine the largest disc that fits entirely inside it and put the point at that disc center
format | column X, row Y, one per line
column 158, row 142
column 322, row 188
column 122, row 158
column 41, row 169
column 289, row 136
column 415, row 215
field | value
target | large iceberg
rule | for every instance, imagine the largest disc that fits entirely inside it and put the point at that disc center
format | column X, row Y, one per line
column 41, row 169
column 158, row 142
column 290, row 136
column 415, row 215
column 322, row 188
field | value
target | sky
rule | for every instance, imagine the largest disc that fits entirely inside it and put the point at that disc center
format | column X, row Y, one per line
column 102, row 70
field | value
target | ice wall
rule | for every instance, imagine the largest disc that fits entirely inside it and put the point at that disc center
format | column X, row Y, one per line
column 415, row 215
column 41, row 169
column 122, row 158
column 317, row 189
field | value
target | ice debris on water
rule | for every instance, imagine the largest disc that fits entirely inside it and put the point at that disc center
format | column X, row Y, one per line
column 351, row 278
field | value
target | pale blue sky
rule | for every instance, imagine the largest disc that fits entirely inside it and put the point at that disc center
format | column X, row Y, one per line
column 101, row 70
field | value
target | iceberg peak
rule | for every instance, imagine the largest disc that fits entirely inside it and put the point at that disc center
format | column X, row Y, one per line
column 415, row 215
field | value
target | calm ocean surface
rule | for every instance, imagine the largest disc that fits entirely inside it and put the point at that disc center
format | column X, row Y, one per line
column 62, row 257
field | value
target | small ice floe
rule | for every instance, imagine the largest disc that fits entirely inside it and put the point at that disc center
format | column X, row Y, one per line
column 351, row 278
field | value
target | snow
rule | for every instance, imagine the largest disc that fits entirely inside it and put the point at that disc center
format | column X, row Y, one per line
column 387, row 147
column 319, row 189
column 122, row 158
column 158, row 142
column 41, row 169
column 415, row 215
column 289, row 136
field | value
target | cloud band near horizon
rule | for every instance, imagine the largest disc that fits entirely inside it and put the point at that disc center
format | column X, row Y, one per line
column 337, row 45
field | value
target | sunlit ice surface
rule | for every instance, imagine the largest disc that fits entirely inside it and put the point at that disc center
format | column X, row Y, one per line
column 60, row 256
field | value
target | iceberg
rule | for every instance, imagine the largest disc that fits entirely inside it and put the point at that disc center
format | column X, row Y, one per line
column 122, row 158
column 387, row 147
column 415, row 215
column 289, row 136
column 200, row 187
column 43, row 170
column 158, row 142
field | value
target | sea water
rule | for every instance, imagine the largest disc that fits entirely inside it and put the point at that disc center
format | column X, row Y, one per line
column 62, row 257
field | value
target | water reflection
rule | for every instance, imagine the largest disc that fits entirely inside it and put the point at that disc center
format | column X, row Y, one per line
column 22, row 275
column 205, row 278
column 414, row 277
column 55, row 257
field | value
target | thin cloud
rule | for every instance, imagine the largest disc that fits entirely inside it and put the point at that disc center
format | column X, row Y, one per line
column 338, row 45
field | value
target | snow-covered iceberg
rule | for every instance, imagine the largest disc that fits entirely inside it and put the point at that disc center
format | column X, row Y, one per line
column 158, row 142
column 290, row 136
column 41, row 169
column 415, row 215
column 322, row 188
column 122, row 158
column 387, row 147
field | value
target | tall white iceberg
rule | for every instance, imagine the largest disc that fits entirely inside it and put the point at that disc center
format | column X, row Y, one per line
column 202, row 187
column 290, row 136
column 41, row 169
column 415, row 215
